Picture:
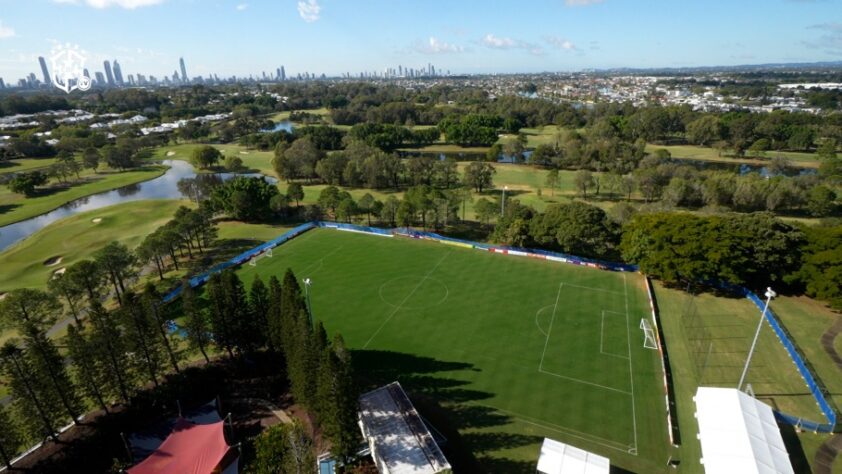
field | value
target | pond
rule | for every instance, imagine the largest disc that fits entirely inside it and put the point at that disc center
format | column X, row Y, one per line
column 163, row 187
column 284, row 125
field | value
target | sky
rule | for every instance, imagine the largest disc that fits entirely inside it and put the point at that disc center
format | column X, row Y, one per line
column 246, row 37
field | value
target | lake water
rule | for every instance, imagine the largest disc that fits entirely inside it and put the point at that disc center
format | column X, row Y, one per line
column 162, row 187
column 285, row 125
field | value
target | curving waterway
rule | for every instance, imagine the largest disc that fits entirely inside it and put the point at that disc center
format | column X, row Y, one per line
column 162, row 187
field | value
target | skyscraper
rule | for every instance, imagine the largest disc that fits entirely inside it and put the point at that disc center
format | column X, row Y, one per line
column 118, row 73
column 108, row 74
column 283, row 74
column 2, row 84
column 183, row 70
column 44, row 70
column 100, row 79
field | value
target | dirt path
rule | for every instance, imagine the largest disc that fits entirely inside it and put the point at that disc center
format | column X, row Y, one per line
column 830, row 449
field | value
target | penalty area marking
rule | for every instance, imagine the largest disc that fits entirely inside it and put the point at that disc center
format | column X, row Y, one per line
column 602, row 333
column 423, row 279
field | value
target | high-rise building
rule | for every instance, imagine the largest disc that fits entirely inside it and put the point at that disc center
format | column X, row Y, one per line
column 2, row 84
column 183, row 70
column 100, row 79
column 118, row 73
column 108, row 74
column 283, row 74
column 86, row 73
column 44, row 70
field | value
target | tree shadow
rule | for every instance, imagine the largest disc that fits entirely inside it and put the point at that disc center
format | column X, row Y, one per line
column 4, row 208
column 473, row 431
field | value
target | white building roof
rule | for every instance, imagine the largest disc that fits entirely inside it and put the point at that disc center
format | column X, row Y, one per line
column 397, row 435
column 738, row 434
column 560, row 458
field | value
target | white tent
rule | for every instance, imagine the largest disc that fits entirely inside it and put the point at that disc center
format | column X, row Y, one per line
column 738, row 434
column 560, row 458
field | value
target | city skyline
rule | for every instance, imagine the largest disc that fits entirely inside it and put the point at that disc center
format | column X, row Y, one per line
column 335, row 38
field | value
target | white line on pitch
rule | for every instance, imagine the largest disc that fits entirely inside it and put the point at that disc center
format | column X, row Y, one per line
column 398, row 307
column 573, row 379
column 602, row 331
column 594, row 289
column 550, row 329
column 631, row 369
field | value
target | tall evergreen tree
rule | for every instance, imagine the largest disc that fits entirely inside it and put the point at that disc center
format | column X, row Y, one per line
column 37, row 417
column 142, row 337
column 10, row 438
column 337, row 398
column 196, row 324
column 273, row 315
column 64, row 287
column 259, row 304
column 292, row 304
column 118, row 264
column 221, row 322
column 157, row 314
column 112, row 354
column 84, row 365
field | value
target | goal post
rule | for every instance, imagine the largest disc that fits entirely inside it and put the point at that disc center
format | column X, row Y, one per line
column 649, row 340
column 266, row 253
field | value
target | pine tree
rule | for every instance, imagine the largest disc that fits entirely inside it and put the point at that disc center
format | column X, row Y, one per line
column 337, row 400
column 237, row 305
column 157, row 315
column 26, row 393
column 302, row 362
column 48, row 365
column 273, row 315
column 111, row 353
column 142, row 337
column 83, row 358
column 219, row 318
column 196, row 321
column 259, row 303
column 10, row 438
column 292, row 304
column 299, row 457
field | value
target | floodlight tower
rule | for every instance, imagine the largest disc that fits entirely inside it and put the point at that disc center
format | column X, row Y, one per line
column 503, row 201
column 307, row 283
column 769, row 295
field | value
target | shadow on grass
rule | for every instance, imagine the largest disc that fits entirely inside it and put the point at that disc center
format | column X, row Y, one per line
column 4, row 208
column 793, row 446
column 474, row 432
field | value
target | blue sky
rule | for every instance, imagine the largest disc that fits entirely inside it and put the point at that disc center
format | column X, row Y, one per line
column 465, row 36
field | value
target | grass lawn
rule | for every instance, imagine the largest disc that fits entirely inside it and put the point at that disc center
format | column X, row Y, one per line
column 693, row 152
column 497, row 351
column 280, row 116
column 77, row 238
column 254, row 160
column 16, row 207
column 25, row 164
column 714, row 357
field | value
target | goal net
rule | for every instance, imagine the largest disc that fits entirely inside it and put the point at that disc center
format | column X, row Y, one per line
column 266, row 253
column 649, row 340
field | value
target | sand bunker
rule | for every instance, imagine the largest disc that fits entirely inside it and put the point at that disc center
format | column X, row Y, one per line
column 2, row 296
column 60, row 271
column 170, row 153
column 52, row 261
column 244, row 153
column 96, row 220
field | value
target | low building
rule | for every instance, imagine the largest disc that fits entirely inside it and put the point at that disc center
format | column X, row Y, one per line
column 559, row 458
column 399, row 441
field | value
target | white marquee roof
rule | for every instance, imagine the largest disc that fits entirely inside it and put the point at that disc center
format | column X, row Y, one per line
column 560, row 458
column 738, row 434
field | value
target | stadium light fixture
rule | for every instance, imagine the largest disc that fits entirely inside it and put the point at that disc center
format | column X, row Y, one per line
column 307, row 283
column 503, row 201
column 769, row 295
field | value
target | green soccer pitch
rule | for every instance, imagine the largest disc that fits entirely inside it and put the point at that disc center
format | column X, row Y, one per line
column 504, row 350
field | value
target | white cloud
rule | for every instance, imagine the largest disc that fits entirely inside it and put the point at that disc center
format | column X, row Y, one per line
column 310, row 10
column 127, row 4
column 496, row 42
column 581, row 3
column 560, row 43
column 436, row 46
column 242, row 6
column 5, row 31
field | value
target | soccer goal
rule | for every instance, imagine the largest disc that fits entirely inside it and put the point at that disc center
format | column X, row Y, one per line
column 266, row 253
column 649, row 340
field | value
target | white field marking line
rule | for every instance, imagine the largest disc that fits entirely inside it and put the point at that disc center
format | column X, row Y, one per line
column 307, row 272
column 631, row 369
column 593, row 289
column 602, row 332
column 616, row 445
column 585, row 382
column 550, row 329
column 536, row 319
column 398, row 307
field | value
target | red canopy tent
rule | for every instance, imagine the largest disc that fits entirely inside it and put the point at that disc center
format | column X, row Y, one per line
column 189, row 449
